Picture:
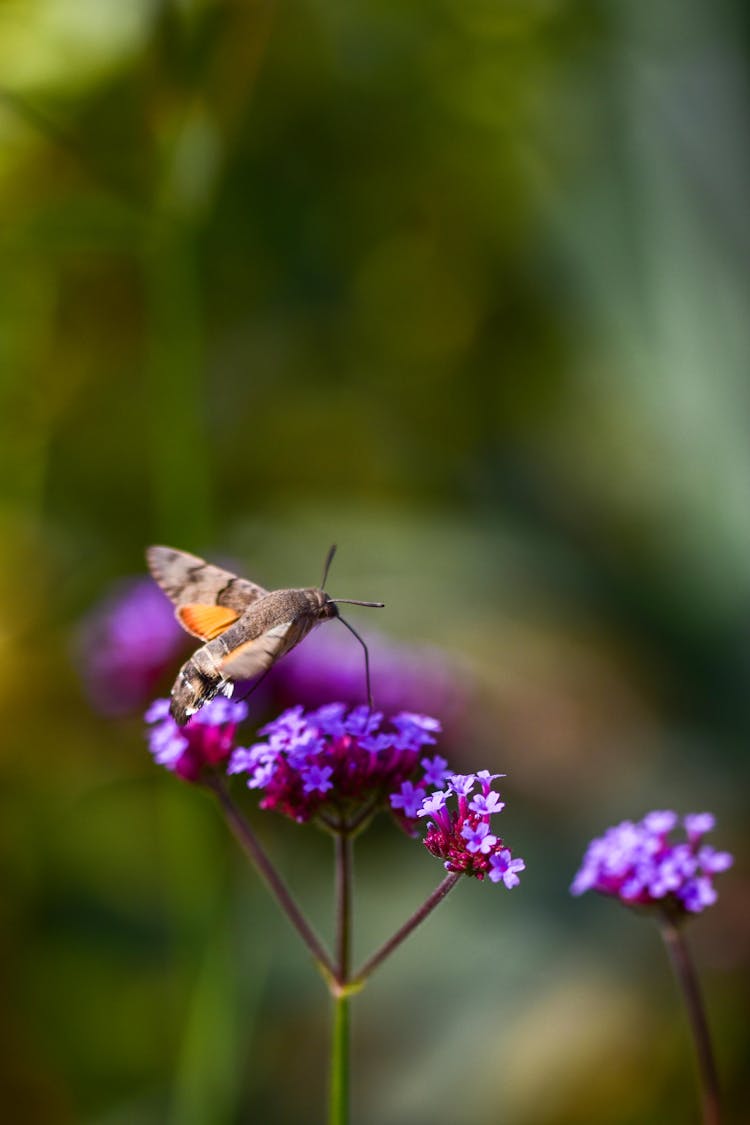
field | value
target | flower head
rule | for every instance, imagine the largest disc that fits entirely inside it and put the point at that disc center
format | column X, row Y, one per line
column 639, row 863
column 125, row 645
column 337, row 764
column 460, row 833
column 207, row 740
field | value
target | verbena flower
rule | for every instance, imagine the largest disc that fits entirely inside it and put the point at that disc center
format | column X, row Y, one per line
column 641, row 865
column 460, row 830
column 337, row 764
column 125, row 646
column 342, row 765
column 206, row 741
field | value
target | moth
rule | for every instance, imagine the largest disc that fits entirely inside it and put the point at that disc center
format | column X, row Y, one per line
column 245, row 629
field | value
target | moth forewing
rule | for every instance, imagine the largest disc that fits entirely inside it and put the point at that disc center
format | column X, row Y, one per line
column 190, row 580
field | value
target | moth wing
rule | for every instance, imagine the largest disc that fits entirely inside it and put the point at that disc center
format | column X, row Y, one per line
column 253, row 657
column 205, row 621
column 189, row 580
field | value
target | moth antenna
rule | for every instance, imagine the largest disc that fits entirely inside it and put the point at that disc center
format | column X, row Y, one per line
column 351, row 601
column 327, row 566
column 367, row 656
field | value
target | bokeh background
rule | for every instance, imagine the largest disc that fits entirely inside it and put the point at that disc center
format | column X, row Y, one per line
column 461, row 286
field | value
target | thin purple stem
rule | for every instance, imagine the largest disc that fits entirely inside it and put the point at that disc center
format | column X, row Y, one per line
column 252, row 846
column 401, row 934
column 687, row 980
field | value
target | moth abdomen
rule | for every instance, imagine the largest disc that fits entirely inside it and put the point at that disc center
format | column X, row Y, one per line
column 193, row 688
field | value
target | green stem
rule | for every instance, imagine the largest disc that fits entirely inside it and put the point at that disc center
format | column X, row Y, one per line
column 338, row 1112
column 343, row 906
column 687, row 981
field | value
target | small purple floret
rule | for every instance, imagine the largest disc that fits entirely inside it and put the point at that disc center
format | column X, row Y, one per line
column 409, row 799
column 506, row 868
column 486, row 805
column 478, row 837
column 435, row 770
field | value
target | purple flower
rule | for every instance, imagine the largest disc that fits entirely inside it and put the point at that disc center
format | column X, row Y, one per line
column 338, row 764
column 435, row 770
column 485, row 806
column 697, row 824
column 125, row 646
column 409, row 799
column 478, row 837
column 462, row 783
column 416, row 731
column 506, row 868
column 340, row 768
column 207, row 740
column 461, row 837
column 640, row 865
column 317, row 779
column 433, row 804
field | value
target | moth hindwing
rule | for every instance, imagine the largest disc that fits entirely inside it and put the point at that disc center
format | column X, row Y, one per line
column 245, row 628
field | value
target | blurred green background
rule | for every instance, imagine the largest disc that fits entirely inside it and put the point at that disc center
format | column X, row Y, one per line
column 463, row 287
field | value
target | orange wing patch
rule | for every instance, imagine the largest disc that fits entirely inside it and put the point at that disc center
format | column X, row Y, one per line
column 206, row 621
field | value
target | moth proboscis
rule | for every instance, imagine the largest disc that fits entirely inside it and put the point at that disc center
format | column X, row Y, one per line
column 245, row 629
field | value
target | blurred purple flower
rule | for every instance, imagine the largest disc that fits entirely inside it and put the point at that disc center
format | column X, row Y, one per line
column 206, row 741
column 125, row 645
column 640, row 865
column 405, row 677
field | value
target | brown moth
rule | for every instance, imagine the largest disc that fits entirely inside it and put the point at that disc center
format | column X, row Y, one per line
column 246, row 629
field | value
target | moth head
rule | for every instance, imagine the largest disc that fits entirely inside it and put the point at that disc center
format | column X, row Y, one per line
column 325, row 607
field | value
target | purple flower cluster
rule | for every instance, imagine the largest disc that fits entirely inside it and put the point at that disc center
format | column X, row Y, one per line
column 125, row 646
column 461, row 835
column 206, row 741
column 333, row 763
column 341, row 766
column 640, row 865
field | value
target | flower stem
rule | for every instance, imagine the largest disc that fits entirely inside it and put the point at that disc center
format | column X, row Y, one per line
column 338, row 1111
column 343, row 906
column 687, row 980
column 252, row 846
column 401, row 934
